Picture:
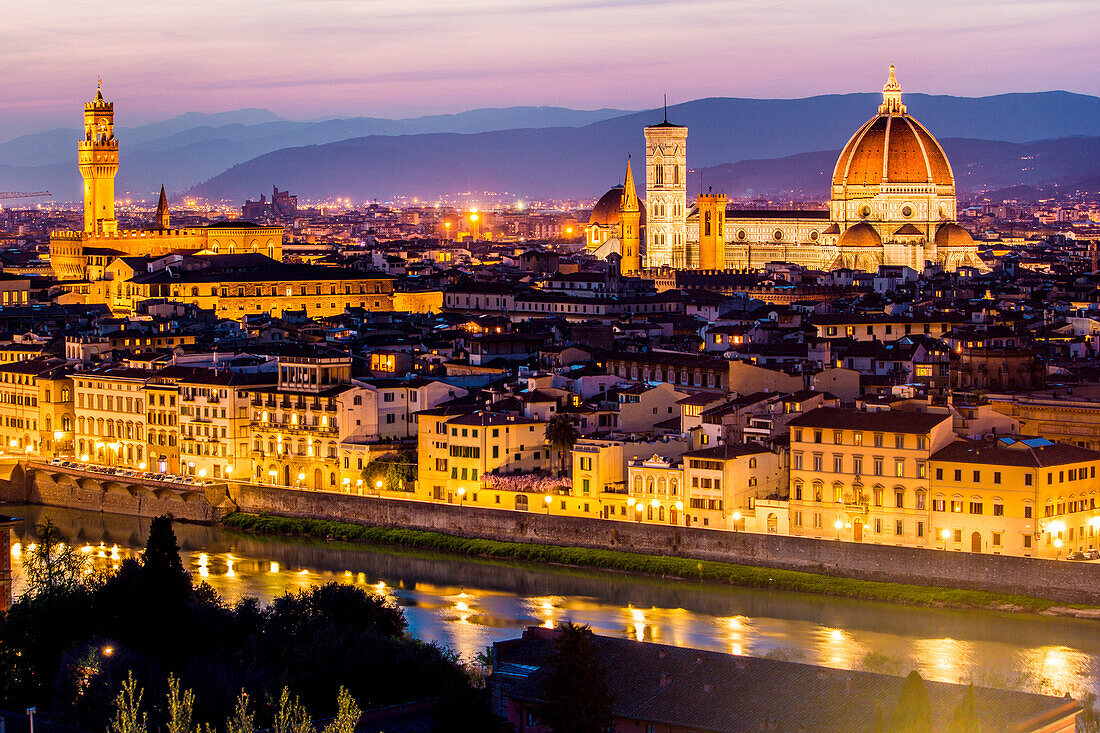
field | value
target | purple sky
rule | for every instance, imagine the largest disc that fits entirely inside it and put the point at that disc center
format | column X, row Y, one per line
column 305, row 59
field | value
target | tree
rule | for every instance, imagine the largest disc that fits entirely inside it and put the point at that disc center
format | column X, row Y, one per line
column 128, row 716
column 575, row 692
column 162, row 572
column 181, row 705
column 913, row 713
column 244, row 718
column 965, row 717
column 347, row 714
column 291, row 716
column 50, row 564
column 562, row 435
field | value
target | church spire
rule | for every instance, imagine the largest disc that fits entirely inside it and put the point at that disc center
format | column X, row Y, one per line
column 891, row 96
column 629, row 200
column 162, row 210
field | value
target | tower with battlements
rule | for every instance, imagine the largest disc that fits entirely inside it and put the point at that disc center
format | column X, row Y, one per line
column 98, row 165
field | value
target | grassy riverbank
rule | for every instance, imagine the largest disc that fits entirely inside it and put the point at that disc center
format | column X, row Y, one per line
column 655, row 565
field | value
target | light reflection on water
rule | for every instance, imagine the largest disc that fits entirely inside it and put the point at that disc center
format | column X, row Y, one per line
column 467, row 604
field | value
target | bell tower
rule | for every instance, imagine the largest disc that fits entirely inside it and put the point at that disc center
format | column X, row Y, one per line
column 98, row 165
column 712, row 231
column 630, row 216
column 666, row 194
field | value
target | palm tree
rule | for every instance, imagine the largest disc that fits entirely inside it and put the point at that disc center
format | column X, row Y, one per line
column 562, row 436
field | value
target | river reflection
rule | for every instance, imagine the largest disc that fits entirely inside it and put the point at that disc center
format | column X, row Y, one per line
column 467, row 604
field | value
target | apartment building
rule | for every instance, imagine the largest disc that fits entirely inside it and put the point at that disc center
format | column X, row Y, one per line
column 110, row 416
column 295, row 425
column 36, row 407
column 865, row 476
column 738, row 487
column 163, row 418
column 482, row 458
column 1015, row 496
column 215, row 422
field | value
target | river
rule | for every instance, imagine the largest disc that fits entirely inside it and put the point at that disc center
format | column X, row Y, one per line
column 467, row 604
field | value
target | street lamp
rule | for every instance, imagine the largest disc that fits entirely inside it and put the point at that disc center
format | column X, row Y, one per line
column 461, row 493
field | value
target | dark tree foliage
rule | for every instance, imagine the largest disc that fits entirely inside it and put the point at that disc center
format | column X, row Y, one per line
column 575, row 690
column 913, row 713
column 68, row 652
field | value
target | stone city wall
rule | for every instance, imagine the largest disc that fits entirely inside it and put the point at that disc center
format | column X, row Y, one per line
column 1060, row 580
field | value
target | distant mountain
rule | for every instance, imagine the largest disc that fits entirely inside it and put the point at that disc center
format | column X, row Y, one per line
column 571, row 162
column 979, row 166
column 258, row 131
column 531, row 151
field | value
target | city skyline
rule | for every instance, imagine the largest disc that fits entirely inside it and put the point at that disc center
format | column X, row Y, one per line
column 331, row 58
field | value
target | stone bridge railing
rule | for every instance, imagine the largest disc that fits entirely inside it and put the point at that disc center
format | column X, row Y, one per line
column 43, row 483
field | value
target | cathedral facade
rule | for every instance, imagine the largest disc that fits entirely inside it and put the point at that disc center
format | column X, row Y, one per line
column 81, row 255
column 892, row 202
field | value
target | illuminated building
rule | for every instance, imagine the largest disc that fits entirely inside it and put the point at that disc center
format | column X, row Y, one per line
column 36, row 407
column 73, row 255
column 615, row 225
column 864, row 476
column 110, row 416
column 892, row 202
column 1015, row 496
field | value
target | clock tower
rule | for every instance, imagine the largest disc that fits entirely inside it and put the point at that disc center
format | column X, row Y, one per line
column 98, row 165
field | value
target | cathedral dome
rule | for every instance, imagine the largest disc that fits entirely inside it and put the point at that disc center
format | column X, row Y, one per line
column 892, row 147
column 860, row 235
column 606, row 211
column 953, row 235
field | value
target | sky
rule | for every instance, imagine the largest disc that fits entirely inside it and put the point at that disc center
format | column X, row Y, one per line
column 308, row 59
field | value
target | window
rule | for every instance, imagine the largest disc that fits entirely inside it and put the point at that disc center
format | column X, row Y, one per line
column 956, row 506
column 838, row 437
column 899, row 441
column 998, row 510
column 922, row 469
column 838, row 464
column 899, row 498
column 920, row 529
column 858, row 438
column 899, row 528
column 975, row 507
column 817, row 436
column 1027, row 511
column 878, row 466
column 1027, row 479
column 996, row 477
column 899, row 467
column 958, row 535
column 977, row 477
column 958, row 475
column 817, row 461
column 939, row 474
column 1027, row 542
column 878, row 440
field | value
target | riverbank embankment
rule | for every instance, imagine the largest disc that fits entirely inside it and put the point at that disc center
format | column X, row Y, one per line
column 829, row 564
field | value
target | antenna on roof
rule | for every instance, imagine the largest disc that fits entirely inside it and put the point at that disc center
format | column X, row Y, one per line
column 666, row 107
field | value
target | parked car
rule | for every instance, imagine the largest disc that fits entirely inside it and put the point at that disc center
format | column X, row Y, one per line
column 1077, row 556
column 1092, row 554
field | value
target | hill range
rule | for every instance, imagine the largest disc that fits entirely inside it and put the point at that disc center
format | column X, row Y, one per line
column 1040, row 141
